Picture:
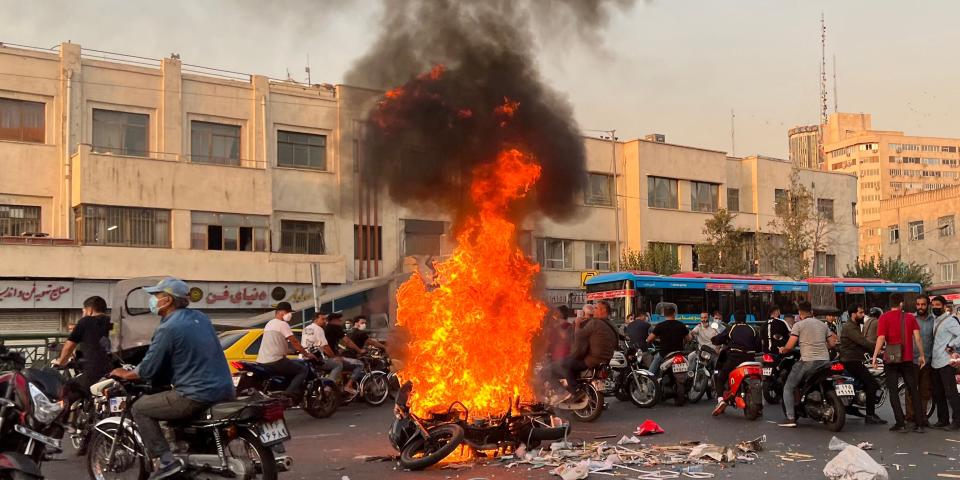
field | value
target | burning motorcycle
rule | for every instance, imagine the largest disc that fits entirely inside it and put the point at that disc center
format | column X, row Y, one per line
column 744, row 390
column 423, row 442
column 320, row 397
column 821, row 396
column 228, row 440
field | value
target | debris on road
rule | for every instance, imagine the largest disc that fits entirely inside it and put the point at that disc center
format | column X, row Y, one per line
column 632, row 440
column 838, row 445
column 648, row 427
column 853, row 463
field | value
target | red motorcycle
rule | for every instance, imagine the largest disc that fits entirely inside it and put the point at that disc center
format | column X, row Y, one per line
column 745, row 390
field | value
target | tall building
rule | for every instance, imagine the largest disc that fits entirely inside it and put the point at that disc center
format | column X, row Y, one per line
column 805, row 146
column 888, row 164
column 922, row 227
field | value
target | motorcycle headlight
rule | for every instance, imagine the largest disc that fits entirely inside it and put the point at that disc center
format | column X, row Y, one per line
column 44, row 410
column 705, row 356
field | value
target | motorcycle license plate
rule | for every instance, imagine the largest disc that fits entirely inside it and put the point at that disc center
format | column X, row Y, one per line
column 844, row 389
column 679, row 368
column 767, row 371
column 273, row 432
column 116, row 404
column 236, row 380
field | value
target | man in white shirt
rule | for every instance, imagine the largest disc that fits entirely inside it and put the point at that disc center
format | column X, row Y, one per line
column 273, row 350
column 314, row 338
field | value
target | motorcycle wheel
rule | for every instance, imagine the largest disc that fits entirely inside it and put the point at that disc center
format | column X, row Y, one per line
column 753, row 411
column 422, row 453
column 772, row 392
column 247, row 446
column 839, row 412
column 131, row 466
column 375, row 389
column 680, row 394
column 644, row 390
column 594, row 405
column 394, row 384
column 321, row 403
column 698, row 386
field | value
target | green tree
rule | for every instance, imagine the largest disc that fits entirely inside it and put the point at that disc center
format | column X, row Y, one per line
column 892, row 269
column 723, row 252
column 797, row 232
column 657, row 257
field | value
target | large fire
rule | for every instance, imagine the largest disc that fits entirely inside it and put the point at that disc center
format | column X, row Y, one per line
column 470, row 332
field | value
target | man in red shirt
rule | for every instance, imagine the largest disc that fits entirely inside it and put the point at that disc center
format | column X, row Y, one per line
column 889, row 333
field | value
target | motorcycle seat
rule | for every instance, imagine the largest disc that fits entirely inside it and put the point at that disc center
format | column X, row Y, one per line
column 750, row 364
column 222, row 410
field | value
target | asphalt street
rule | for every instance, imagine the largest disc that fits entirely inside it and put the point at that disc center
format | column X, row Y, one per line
column 334, row 448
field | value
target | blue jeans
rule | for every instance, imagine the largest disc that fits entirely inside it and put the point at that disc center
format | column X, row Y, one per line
column 799, row 370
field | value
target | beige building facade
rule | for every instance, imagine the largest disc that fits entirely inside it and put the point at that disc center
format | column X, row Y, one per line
column 805, row 146
column 888, row 164
column 922, row 228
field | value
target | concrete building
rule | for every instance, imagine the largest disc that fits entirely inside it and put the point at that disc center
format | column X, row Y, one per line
column 922, row 228
column 672, row 190
column 246, row 186
column 805, row 146
column 888, row 164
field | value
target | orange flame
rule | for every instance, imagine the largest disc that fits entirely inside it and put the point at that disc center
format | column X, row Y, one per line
column 470, row 336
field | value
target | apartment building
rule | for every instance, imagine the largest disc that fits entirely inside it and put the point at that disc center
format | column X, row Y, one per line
column 922, row 227
column 247, row 187
column 888, row 164
column 805, row 146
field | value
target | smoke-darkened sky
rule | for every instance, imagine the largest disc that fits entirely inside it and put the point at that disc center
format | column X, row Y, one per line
column 674, row 67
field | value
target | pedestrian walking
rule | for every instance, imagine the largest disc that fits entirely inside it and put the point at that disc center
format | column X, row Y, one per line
column 895, row 330
column 924, row 374
column 946, row 340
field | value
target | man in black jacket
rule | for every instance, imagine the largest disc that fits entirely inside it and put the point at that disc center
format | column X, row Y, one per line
column 742, row 343
column 775, row 332
column 854, row 346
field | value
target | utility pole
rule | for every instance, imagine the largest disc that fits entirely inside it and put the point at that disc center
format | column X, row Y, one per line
column 821, row 156
column 616, row 196
column 733, row 137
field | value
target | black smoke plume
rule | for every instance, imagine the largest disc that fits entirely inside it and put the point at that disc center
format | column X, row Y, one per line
column 450, row 65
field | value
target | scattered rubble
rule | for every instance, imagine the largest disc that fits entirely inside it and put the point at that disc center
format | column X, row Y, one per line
column 852, row 463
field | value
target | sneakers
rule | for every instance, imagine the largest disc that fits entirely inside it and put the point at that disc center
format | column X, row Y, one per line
column 940, row 425
column 721, row 406
column 874, row 420
column 166, row 470
column 788, row 424
column 918, row 429
column 899, row 428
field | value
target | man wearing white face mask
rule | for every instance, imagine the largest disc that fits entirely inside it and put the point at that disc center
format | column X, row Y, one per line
column 273, row 350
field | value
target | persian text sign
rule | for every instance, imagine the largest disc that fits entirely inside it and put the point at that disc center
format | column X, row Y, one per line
column 36, row 294
column 246, row 295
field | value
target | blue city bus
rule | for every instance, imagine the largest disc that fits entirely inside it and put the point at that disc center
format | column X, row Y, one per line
column 693, row 293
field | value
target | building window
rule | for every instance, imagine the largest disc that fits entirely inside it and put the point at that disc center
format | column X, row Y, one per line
column 302, row 237
column 598, row 256
column 301, row 150
column 894, row 233
column 916, row 230
column 599, row 189
column 948, row 272
column 704, row 196
column 946, row 226
column 853, row 212
column 230, row 231
column 780, row 198
column 16, row 220
column 123, row 226
column 21, row 121
column 214, row 143
column 555, row 253
column 423, row 237
column 831, row 265
column 662, row 193
column 120, row 133
column 367, row 242
column 825, row 208
column 733, row 199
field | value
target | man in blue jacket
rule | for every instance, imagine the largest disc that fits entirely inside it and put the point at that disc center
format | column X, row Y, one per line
column 184, row 353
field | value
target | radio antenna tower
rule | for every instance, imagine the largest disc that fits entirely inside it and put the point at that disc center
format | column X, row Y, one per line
column 823, row 70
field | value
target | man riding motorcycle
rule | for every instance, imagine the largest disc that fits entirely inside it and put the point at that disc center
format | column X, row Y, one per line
column 594, row 341
column 741, row 343
column 775, row 332
column 672, row 334
column 273, row 351
column 815, row 340
column 853, row 347
column 185, row 353
column 704, row 333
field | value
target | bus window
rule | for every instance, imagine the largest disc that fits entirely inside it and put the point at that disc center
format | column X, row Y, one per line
column 787, row 301
column 726, row 302
column 848, row 300
column 877, row 299
column 647, row 299
column 690, row 302
column 757, row 306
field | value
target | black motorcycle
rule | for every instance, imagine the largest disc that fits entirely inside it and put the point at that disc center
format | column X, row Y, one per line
column 320, row 397
column 776, row 368
column 630, row 381
column 228, row 440
column 819, row 396
column 673, row 375
column 423, row 442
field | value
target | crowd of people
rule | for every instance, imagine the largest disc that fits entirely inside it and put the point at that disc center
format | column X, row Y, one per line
column 920, row 351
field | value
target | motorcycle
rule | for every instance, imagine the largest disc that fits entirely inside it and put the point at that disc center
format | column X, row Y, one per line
column 745, row 389
column 320, row 397
column 823, row 395
column 776, row 368
column 423, row 442
column 858, row 403
column 703, row 365
column 233, row 439
column 630, row 381
column 374, row 386
column 673, row 377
